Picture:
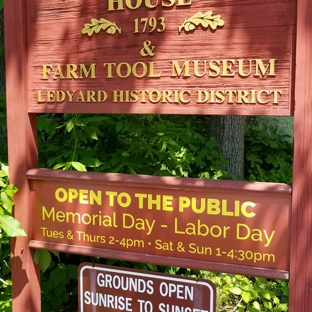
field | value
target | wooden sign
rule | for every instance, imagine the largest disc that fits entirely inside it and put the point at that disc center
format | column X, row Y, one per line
column 111, row 289
column 157, row 218
column 161, row 57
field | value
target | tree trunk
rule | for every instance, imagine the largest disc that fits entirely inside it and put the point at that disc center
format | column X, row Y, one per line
column 229, row 134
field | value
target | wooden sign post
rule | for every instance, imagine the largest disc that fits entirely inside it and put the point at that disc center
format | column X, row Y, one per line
column 301, row 237
column 22, row 155
column 164, row 57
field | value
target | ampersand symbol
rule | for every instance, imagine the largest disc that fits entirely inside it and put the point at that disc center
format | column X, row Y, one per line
column 147, row 49
column 181, row 248
column 70, row 235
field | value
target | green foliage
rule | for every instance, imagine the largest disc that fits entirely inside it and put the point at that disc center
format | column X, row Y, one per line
column 9, row 226
column 5, row 274
column 152, row 144
column 58, row 281
column 8, row 223
column 269, row 156
column 3, row 134
column 250, row 294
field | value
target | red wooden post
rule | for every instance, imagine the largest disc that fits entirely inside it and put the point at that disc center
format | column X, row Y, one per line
column 22, row 155
column 301, row 256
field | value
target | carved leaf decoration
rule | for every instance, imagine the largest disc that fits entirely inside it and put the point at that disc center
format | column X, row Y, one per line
column 97, row 25
column 202, row 19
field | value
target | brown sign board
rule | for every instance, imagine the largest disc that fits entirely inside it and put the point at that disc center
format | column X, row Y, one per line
column 156, row 218
column 161, row 56
column 112, row 288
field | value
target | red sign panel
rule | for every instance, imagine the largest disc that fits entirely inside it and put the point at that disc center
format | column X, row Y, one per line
column 111, row 289
column 209, row 221
column 164, row 57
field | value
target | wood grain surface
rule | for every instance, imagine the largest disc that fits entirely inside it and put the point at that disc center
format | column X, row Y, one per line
column 252, row 30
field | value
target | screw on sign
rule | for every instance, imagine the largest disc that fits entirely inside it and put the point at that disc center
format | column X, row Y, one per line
column 110, row 289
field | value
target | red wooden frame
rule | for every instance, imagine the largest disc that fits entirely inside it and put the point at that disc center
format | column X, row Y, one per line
column 23, row 156
column 301, row 237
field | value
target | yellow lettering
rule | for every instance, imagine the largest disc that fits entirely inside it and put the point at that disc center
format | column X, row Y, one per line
column 244, row 211
column 177, row 70
column 270, row 68
column 46, row 70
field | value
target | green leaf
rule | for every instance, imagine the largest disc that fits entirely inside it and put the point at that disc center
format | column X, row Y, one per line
column 256, row 305
column 276, row 300
column 10, row 190
column 3, row 174
column 43, row 257
column 72, row 271
column 246, row 296
column 268, row 304
column 70, row 125
column 152, row 267
column 5, row 169
column 78, row 166
column 6, row 201
column 266, row 295
column 283, row 306
column 93, row 135
column 58, row 166
column 119, row 126
column 236, row 291
column 11, row 226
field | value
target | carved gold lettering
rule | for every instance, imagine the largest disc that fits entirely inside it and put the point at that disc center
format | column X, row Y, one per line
column 80, row 97
column 71, row 70
column 153, row 96
column 224, row 68
column 150, row 5
column 83, row 96
column 202, row 96
column 125, row 70
column 239, row 97
column 184, row 2
column 168, row 3
column 87, row 72
column 227, row 66
column 253, row 97
column 46, row 70
column 196, row 71
column 109, row 69
column 242, row 97
column 39, row 97
column 50, row 96
column 230, row 94
column 259, row 98
column 68, row 71
column 214, row 66
column 260, row 67
column 60, row 96
column 119, row 5
column 111, row 5
column 70, row 95
column 276, row 93
column 241, row 68
column 136, row 6
column 58, row 73
column 177, row 70
column 182, row 98
column 220, row 96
